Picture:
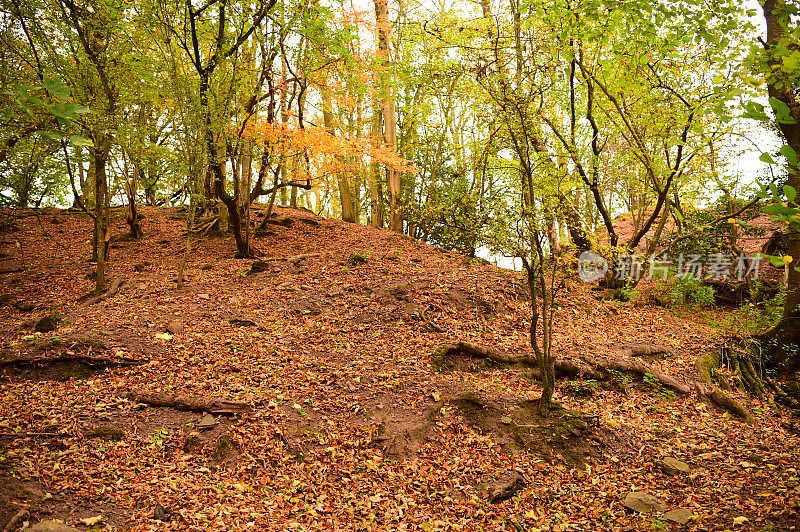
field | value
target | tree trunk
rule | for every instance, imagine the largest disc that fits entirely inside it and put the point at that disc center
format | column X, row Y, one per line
column 375, row 193
column 783, row 342
column 99, row 154
column 345, row 194
column 389, row 114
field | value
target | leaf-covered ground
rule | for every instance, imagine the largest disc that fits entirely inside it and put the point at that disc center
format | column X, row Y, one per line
column 352, row 426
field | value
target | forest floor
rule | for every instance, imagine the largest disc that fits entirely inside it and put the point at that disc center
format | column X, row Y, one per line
column 351, row 425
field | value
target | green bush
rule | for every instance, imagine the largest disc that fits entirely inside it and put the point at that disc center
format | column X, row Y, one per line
column 682, row 292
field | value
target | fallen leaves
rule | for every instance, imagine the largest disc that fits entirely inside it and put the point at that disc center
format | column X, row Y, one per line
column 321, row 385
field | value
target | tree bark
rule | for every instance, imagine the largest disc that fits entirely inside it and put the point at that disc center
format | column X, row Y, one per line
column 388, row 113
column 783, row 342
column 99, row 154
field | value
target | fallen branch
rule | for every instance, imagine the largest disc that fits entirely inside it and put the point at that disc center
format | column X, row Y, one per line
column 192, row 404
column 20, row 435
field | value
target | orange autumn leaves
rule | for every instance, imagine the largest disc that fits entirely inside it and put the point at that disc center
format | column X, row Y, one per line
column 327, row 154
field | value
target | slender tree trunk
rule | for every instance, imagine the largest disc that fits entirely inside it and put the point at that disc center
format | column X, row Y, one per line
column 374, row 178
column 99, row 154
column 389, row 113
column 345, row 194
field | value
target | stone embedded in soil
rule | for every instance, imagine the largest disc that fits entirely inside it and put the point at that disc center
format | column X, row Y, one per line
column 47, row 324
column 207, row 422
column 24, row 306
column 505, row 487
column 673, row 467
column 174, row 327
column 643, row 502
column 680, row 516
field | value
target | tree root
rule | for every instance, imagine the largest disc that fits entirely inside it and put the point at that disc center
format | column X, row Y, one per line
column 17, row 521
column 82, row 359
column 644, row 350
column 597, row 368
column 206, row 225
column 111, row 292
column 730, row 404
column 213, row 405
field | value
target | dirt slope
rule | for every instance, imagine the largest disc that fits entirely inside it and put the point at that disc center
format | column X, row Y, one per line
column 351, row 427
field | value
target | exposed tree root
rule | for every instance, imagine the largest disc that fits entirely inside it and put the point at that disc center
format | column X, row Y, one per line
column 781, row 395
column 591, row 367
column 81, row 359
column 213, row 405
column 17, row 521
column 111, row 292
column 730, row 404
column 206, row 225
column 644, row 350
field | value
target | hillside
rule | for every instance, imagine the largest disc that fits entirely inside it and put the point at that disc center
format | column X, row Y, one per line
column 342, row 420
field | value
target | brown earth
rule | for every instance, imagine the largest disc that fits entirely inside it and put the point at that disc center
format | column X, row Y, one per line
column 352, row 428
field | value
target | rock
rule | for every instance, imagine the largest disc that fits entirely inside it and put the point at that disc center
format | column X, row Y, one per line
column 243, row 322
column 108, row 433
column 505, row 487
column 204, row 296
column 24, row 306
column 174, row 327
column 48, row 323
column 52, row 526
column 162, row 514
column 260, row 266
column 207, row 422
column 642, row 502
column 679, row 515
column 673, row 467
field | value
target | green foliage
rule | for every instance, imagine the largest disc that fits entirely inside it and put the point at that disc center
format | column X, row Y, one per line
column 628, row 294
column 453, row 214
column 708, row 238
column 159, row 437
column 356, row 260
column 654, row 384
column 581, row 388
column 682, row 291
column 752, row 318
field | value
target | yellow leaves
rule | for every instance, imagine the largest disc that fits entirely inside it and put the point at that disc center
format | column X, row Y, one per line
column 244, row 488
column 530, row 514
column 787, row 259
column 731, row 220
column 91, row 521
